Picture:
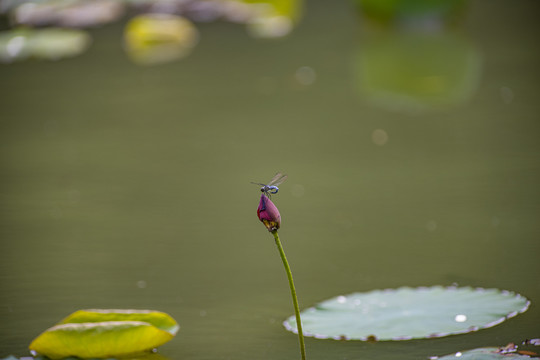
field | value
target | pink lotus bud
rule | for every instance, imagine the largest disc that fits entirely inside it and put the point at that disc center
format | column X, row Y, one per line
column 268, row 214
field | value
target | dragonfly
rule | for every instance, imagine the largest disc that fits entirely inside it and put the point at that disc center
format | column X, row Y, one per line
column 272, row 186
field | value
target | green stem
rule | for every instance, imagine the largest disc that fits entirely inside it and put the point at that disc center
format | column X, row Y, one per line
column 293, row 294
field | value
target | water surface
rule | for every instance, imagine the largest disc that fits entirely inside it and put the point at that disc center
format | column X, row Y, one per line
column 129, row 187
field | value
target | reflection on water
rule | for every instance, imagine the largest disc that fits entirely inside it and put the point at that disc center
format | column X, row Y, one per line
column 305, row 75
column 379, row 137
column 414, row 56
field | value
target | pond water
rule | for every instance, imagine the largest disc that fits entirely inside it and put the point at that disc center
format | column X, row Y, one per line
column 412, row 160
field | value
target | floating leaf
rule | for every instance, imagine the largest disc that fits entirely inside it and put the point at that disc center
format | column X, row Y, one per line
column 141, row 356
column 158, row 319
column 105, row 333
column 409, row 313
column 272, row 19
column 67, row 13
column 483, row 354
column 159, row 38
column 49, row 44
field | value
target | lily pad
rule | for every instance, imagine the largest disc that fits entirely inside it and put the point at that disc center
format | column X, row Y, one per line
column 105, row 333
column 67, row 13
column 159, row 38
column 142, row 356
column 483, row 354
column 48, row 44
column 158, row 319
column 409, row 313
column 272, row 19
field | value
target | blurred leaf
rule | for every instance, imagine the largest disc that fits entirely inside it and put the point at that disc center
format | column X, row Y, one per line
column 105, row 333
column 407, row 313
column 50, row 44
column 397, row 10
column 159, row 38
column 68, row 13
column 408, row 71
column 272, row 18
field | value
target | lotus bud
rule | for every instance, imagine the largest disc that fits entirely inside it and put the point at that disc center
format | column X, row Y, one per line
column 268, row 213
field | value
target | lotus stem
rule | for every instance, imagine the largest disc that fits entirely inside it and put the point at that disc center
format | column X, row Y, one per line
column 293, row 294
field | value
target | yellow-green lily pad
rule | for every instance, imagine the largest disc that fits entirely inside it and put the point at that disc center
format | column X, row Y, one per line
column 159, row 38
column 158, row 319
column 105, row 333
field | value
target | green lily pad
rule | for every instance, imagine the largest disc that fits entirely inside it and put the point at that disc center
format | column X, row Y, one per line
column 483, row 354
column 409, row 313
column 105, row 333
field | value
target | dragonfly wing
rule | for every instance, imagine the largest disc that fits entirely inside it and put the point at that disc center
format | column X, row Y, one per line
column 278, row 179
column 275, row 178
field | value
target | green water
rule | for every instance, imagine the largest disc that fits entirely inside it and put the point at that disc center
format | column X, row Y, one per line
column 129, row 187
